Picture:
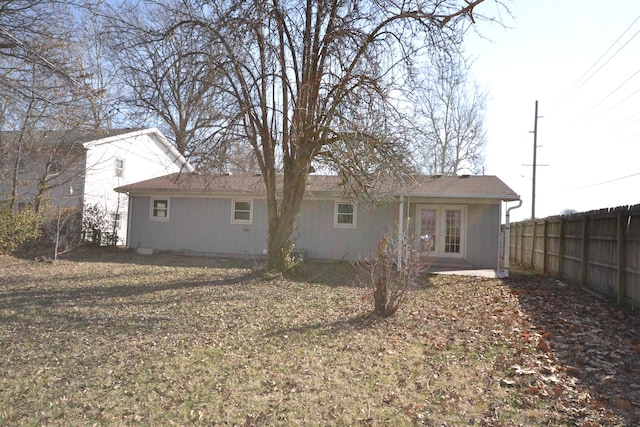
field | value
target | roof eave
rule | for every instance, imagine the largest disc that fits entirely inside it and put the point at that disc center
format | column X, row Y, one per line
column 505, row 197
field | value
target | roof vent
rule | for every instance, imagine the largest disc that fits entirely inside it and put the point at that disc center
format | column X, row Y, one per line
column 436, row 176
column 465, row 176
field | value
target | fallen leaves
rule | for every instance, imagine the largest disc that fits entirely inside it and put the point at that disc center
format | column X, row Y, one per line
column 199, row 341
column 592, row 343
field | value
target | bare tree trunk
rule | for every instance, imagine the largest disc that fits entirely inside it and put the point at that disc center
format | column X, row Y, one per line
column 16, row 171
column 381, row 289
column 281, row 230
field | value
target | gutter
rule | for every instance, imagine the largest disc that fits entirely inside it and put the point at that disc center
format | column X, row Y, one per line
column 400, row 232
column 507, row 239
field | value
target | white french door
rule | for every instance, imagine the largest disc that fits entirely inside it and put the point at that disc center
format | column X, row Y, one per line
column 441, row 230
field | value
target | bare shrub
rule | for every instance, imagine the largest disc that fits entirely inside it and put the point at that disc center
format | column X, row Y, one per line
column 395, row 271
column 63, row 229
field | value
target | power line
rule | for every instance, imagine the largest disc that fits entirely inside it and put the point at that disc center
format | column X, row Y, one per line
column 629, row 120
column 620, row 102
column 628, row 139
column 574, row 89
column 611, row 93
column 605, row 182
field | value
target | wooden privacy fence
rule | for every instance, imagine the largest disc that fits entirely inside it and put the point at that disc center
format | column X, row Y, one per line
column 599, row 250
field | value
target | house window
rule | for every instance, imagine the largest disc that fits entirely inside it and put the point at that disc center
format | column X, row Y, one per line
column 115, row 221
column 242, row 212
column 345, row 215
column 441, row 230
column 118, row 168
column 160, row 209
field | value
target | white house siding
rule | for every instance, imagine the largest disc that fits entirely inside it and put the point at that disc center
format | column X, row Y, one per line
column 200, row 225
column 317, row 237
column 144, row 157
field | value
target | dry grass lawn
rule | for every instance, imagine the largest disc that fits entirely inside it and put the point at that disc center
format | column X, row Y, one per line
column 119, row 339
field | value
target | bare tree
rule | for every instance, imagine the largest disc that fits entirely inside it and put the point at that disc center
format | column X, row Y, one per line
column 449, row 119
column 170, row 77
column 44, row 85
column 303, row 75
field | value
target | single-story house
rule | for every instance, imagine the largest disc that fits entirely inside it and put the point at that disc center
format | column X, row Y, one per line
column 453, row 220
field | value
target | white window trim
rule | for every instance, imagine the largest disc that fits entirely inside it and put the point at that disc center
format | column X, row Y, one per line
column 336, row 224
column 233, row 211
column 157, row 218
column 116, row 221
column 116, row 168
column 441, row 230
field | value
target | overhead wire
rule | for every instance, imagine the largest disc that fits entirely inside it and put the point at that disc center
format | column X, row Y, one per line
column 612, row 92
column 605, row 182
column 574, row 89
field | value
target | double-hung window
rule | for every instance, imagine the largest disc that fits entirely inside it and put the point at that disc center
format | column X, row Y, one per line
column 118, row 168
column 160, row 209
column 115, row 220
column 344, row 215
column 242, row 211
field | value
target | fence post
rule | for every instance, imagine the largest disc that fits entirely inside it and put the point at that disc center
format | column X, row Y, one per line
column 623, row 219
column 544, row 246
column 522, row 243
column 532, row 264
column 561, row 249
column 585, row 259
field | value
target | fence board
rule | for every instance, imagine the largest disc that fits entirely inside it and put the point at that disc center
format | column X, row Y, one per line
column 598, row 249
column 632, row 270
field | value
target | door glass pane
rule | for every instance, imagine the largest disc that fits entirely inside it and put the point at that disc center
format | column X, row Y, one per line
column 453, row 231
column 428, row 230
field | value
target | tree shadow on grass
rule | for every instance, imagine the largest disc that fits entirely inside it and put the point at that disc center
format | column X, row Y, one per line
column 329, row 273
column 594, row 341
column 359, row 322
column 17, row 296
column 164, row 259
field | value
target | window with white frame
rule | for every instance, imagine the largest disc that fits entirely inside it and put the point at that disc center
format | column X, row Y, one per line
column 118, row 168
column 241, row 211
column 344, row 215
column 115, row 221
column 160, row 209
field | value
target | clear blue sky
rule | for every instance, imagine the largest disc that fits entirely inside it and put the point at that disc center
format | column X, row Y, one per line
column 581, row 60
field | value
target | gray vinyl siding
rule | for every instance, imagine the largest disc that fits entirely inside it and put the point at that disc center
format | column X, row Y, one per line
column 201, row 225
column 482, row 228
column 483, row 225
column 317, row 236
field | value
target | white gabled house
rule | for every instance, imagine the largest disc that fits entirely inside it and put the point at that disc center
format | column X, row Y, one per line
column 122, row 159
column 81, row 168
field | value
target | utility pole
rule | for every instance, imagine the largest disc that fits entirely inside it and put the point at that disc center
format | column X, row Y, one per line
column 535, row 162
column 535, row 151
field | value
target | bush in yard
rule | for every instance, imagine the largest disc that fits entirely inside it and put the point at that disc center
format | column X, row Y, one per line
column 62, row 230
column 96, row 226
column 394, row 272
column 18, row 228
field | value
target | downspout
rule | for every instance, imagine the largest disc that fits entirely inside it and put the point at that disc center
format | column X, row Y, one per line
column 129, row 219
column 400, row 231
column 507, row 238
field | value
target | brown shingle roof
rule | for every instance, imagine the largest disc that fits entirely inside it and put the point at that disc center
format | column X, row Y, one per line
column 484, row 186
